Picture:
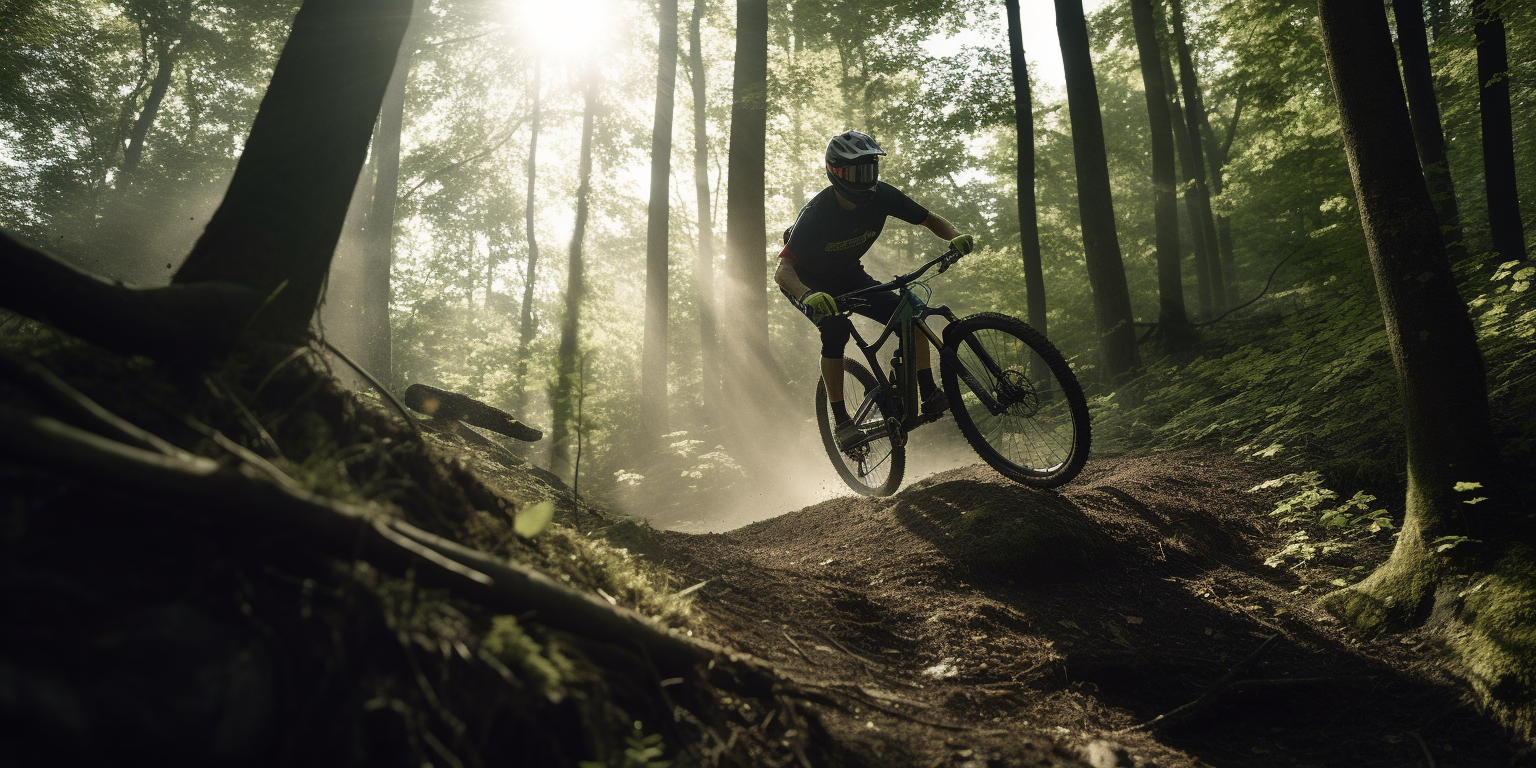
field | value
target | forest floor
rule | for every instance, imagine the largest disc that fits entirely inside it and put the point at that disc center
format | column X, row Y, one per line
column 914, row 655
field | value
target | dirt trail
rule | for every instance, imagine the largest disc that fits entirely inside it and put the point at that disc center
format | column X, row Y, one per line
column 916, row 644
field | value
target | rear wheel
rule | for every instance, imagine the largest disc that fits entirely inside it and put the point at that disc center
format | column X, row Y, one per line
column 874, row 466
column 1015, row 399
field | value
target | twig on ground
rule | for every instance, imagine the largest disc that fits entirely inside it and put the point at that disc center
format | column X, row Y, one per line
column 1220, row 687
column 1423, row 746
column 383, row 390
column 250, row 418
column 78, row 408
column 866, row 663
column 797, row 647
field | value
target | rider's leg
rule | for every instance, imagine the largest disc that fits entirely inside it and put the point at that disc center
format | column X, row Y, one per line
column 832, row 374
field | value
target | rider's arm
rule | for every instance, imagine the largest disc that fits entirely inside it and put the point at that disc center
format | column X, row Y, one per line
column 940, row 226
column 787, row 277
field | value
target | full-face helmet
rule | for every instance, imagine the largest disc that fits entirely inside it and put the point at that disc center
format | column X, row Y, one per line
column 853, row 165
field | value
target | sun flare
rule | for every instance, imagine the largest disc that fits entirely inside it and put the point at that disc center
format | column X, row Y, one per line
column 571, row 29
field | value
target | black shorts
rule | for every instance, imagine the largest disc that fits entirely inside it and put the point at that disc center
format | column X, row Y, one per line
column 836, row 329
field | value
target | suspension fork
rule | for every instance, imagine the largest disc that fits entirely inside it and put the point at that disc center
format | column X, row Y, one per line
column 950, row 357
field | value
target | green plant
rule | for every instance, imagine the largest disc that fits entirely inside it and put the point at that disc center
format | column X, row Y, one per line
column 1337, row 526
column 640, row 751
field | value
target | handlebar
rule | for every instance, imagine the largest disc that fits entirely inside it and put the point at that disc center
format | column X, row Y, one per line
column 944, row 262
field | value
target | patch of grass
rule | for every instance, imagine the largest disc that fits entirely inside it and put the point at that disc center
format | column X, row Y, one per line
column 1495, row 648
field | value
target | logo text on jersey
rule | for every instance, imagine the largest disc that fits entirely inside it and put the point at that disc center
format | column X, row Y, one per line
column 852, row 242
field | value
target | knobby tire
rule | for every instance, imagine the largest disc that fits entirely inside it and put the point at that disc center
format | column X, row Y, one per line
column 1041, row 439
column 857, row 382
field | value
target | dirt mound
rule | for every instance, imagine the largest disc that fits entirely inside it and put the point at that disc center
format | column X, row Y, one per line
column 972, row 621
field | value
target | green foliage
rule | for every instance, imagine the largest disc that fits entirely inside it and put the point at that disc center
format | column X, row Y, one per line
column 542, row 667
column 640, row 751
column 532, row 519
column 1325, row 527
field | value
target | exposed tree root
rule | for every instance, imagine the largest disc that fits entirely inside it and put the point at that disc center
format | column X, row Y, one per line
column 255, row 498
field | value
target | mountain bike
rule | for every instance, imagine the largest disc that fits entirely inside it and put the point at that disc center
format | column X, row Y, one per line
column 1011, row 392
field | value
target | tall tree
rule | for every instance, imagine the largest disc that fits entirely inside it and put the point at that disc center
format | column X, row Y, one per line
column 1194, row 116
column 259, row 266
column 531, row 270
column 745, row 218
column 653, row 363
column 575, row 287
column 1101, row 244
column 163, row 31
column 1172, row 318
column 1424, row 114
column 704, row 263
column 1434, row 347
column 1024, row 134
column 1205, row 252
column 1504, row 224
column 379, row 230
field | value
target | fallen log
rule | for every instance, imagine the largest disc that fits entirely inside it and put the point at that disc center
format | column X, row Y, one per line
column 250, row 498
column 452, row 406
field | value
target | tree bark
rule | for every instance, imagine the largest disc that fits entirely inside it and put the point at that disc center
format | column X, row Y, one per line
column 653, row 363
column 1172, row 318
column 746, row 228
column 1504, row 225
column 1434, row 347
column 379, row 231
column 277, row 227
column 1205, row 251
column 563, row 405
column 1218, row 152
column 1424, row 115
column 530, row 274
column 1194, row 114
column 1101, row 245
column 165, row 65
column 1024, row 133
column 704, row 264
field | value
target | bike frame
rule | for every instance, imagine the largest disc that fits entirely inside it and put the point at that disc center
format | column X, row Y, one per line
column 906, row 322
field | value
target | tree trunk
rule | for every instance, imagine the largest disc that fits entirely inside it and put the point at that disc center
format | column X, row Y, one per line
column 1217, row 152
column 1194, row 114
column 1172, row 319
column 1024, row 132
column 1205, row 251
column 1434, row 348
column 277, row 227
column 1424, row 114
column 653, row 363
column 1101, row 245
column 1504, row 225
column 575, row 286
column 530, row 274
column 704, row 264
column 746, row 229
column 379, row 231
column 165, row 65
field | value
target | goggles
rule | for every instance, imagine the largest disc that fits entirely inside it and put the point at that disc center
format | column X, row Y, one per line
column 863, row 173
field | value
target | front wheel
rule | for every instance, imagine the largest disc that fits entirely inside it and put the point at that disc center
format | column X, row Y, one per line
column 875, row 464
column 1015, row 400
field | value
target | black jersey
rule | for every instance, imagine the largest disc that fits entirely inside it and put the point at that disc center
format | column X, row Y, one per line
column 827, row 240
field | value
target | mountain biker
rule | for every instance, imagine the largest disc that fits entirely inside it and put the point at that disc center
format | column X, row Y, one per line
column 821, row 259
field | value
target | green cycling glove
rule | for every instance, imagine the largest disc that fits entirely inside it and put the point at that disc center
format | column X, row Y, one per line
column 821, row 303
column 963, row 244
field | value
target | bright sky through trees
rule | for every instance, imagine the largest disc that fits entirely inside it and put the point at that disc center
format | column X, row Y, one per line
column 1040, row 45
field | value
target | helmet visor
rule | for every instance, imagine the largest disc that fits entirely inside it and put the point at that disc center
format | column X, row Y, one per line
column 864, row 173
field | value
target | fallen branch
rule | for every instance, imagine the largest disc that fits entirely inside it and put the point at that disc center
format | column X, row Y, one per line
column 78, row 408
column 249, row 499
column 1226, row 682
column 797, row 647
column 866, row 663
